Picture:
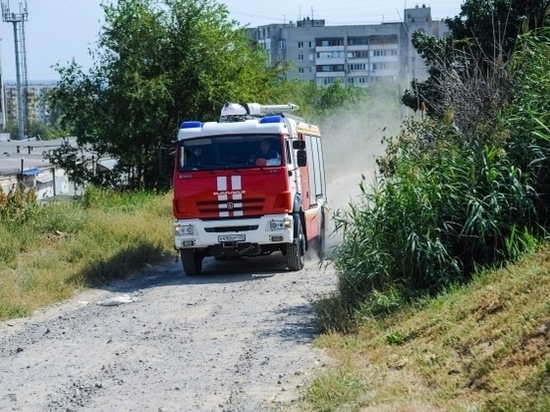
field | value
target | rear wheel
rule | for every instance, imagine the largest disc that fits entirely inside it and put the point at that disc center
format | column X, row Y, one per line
column 191, row 261
column 321, row 244
column 295, row 251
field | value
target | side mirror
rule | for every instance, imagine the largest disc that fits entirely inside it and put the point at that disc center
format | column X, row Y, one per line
column 302, row 158
column 299, row 144
column 166, row 161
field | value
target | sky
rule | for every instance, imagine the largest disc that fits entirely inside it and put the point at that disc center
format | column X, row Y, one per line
column 58, row 31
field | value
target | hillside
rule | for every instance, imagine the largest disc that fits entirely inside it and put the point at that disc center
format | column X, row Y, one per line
column 481, row 347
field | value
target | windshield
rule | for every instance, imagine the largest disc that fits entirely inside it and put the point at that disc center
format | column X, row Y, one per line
column 222, row 152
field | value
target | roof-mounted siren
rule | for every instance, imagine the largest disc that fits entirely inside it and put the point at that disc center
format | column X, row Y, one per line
column 238, row 112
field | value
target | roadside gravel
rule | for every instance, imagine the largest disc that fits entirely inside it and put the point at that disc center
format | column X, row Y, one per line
column 236, row 338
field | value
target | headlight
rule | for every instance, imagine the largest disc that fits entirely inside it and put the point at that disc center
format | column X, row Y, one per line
column 276, row 225
column 184, row 230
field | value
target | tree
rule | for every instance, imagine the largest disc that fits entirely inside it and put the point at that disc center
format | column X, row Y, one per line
column 482, row 37
column 491, row 27
column 158, row 62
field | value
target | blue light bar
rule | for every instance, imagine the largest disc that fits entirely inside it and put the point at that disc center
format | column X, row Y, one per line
column 191, row 124
column 272, row 119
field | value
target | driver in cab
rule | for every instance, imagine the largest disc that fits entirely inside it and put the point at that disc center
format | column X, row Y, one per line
column 265, row 156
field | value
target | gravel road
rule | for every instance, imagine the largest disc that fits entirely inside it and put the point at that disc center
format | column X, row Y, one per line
column 236, row 338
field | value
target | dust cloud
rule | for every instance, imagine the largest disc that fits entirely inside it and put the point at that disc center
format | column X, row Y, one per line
column 352, row 140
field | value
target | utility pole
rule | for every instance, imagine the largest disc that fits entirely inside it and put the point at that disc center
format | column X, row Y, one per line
column 18, row 20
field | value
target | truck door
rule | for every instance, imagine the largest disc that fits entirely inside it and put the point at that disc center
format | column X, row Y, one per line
column 304, row 181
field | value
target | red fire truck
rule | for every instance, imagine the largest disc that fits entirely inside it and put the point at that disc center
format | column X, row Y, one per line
column 250, row 184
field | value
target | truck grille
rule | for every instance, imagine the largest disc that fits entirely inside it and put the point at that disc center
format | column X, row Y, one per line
column 248, row 206
column 230, row 229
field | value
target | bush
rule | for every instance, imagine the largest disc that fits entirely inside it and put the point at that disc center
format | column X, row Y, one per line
column 17, row 205
column 437, row 209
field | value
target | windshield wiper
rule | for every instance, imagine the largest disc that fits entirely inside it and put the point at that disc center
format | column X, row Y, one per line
column 200, row 167
column 226, row 165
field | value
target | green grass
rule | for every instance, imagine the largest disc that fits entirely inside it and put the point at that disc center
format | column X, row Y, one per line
column 64, row 246
column 483, row 346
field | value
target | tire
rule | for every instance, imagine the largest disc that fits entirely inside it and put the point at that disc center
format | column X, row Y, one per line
column 295, row 251
column 321, row 242
column 191, row 261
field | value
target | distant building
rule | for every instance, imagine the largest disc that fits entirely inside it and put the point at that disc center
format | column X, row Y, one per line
column 37, row 105
column 356, row 54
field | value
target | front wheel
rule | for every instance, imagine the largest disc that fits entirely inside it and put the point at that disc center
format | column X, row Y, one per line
column 191, row 261
column 295, row 251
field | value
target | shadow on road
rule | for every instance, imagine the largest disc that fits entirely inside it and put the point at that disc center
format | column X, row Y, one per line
column 298, row 325
column 170, row 272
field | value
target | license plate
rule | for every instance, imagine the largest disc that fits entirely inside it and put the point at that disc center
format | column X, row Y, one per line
column 231, row 238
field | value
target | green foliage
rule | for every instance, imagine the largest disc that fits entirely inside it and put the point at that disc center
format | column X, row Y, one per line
column 58, row 218
column 482, row 38
column 396, row 338
column 17, row 206
column 96, row 197
column 338, row 387
column 454, row 194
column 74, row 162
column 159, row 62
column 528, row 116
column 437, row 209
column 491, row 27
column 36, row 129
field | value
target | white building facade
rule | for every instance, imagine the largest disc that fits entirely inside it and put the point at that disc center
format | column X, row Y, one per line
column 356, row 54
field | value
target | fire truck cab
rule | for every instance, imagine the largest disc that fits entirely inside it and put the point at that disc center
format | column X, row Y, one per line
column 250, row 184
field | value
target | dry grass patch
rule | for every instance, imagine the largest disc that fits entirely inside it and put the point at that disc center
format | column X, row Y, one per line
column 484, row 346
column 67, row 246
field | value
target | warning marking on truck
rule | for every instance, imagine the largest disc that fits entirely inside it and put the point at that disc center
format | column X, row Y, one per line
column 230, row 198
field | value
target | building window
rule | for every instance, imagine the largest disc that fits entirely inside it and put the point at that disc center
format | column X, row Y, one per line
column 330, row 55
column 382, row 40
column 358, row 54
column 281, row 44
column 357, row 67
column 300, row 57
column 381, row 53
column 329, row 42
column 358, row 41
column 300, row 69
column 384, row 66
column 383, row 79
column 310, row 44
column 300, row 44
column 331, row 68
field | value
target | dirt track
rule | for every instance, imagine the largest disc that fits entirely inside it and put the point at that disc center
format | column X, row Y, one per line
column 237, row 338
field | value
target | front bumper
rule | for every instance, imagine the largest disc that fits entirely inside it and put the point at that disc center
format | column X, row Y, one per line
column 266, row 230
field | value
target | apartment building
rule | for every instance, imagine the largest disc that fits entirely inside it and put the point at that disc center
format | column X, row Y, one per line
column 36, row 103
column 355, row 54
